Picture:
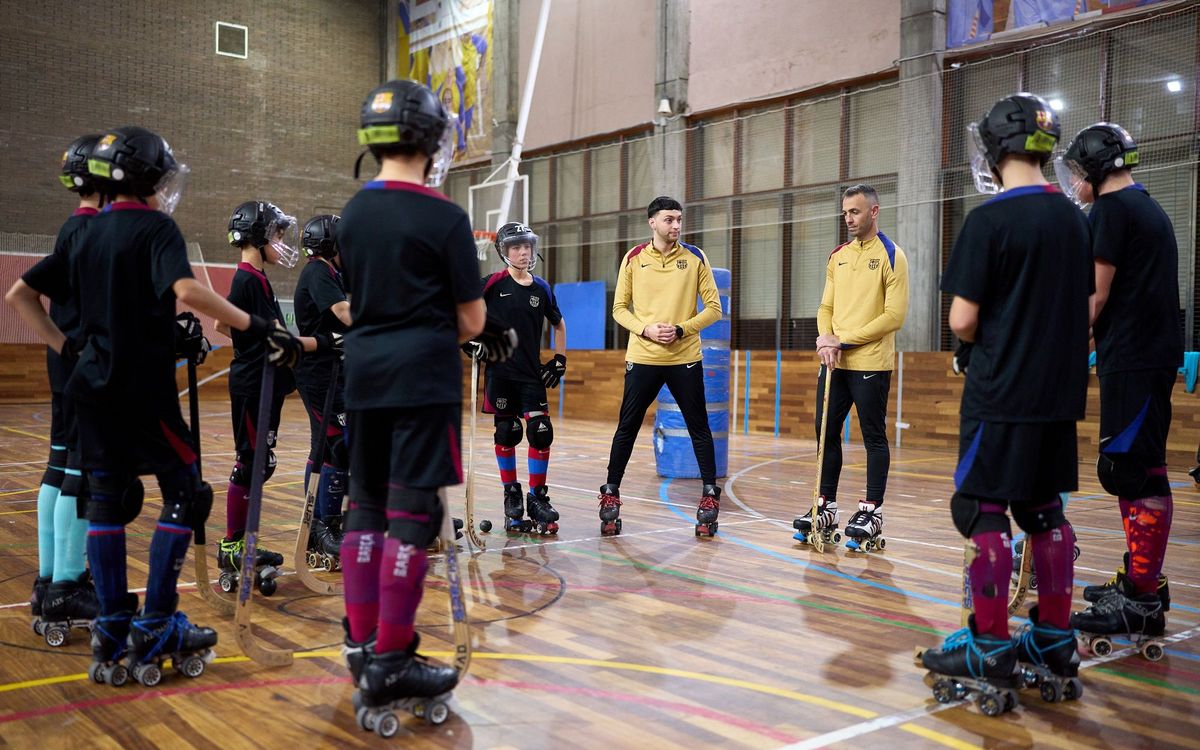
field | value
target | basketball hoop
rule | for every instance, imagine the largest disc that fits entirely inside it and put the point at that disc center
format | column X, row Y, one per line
column 484, row 242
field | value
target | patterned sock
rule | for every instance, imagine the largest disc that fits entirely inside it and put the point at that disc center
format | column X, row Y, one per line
column 402, row 581
column 361, row 553
column 539, row 460
column 506, row 459
column 1147, row 528
column 1054, row 561
column 990, row 573
column 237, row 502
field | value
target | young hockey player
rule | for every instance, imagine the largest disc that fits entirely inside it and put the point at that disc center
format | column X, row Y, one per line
column 126, row 277
column 1138, row 351
column 516, row 389
column 408, row 259
column 323, row 310
column 1020, row 274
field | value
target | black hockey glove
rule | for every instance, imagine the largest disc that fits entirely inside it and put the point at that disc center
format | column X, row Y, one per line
column 473, row 350
column 333, row 342
column 498, row 340
column 553, row 371
column 962, row 357
column 190, row 343
column 283, row 349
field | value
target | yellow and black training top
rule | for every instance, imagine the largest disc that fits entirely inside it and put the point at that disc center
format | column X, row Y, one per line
column 865, row 301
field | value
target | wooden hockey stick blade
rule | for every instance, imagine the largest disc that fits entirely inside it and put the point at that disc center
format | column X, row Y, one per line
column 204, row 583
column 252, row 646
column 300, row 555
column 1024, row 576
column 472, row 532
column 458, row 601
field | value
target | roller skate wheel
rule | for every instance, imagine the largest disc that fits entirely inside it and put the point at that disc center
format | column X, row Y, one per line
column 1152, row 651
column 1010, row 700
column 881, row 543
column 227, row 582
column 943, row 691
column 1051, row 692
column 356, row 701
column 835, row 537
column 387, row 725
column 1076, row 553
column 118, row 676
column 39, row 627
column 193, row 667
column 437, row 713
column 1101, row 647
column 311, row 560
column 94, row 673
column 267, row 586
column 327, row 564
column 365, row 721
column 147, row 674
column 990, row 705
column 1073, row 689
column 1033, row 581
column 55, row 636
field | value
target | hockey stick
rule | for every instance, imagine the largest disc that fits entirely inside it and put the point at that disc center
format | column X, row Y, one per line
column 816, row 537
column 472, row 531
column 458, row 601
column 245, row 637
column 200, row 548
column 303, row 564
column 1021, row 586
column 970, row 551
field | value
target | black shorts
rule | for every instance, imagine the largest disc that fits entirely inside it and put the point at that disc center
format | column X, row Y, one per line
column 243, row 411
column 313, row 390
column 399, row 447
column 147, row 439
column 64, row 428
column 513, row 398
column 1135, row 413
column 1016, row 462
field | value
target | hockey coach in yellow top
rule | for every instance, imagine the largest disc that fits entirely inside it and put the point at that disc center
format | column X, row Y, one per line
column 864, row 304
column 655, row 299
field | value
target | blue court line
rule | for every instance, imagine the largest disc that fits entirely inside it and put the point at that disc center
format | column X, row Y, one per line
column 183, row 362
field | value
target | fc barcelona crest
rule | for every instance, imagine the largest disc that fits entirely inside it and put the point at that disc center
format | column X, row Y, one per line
column 874, row 264
column 535, row 301
column 681, row 264
column 501, row 403
column 1045, row 120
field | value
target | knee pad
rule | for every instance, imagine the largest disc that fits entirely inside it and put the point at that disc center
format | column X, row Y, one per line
column 1128, row 476
column 114, row 498
column 539, row 432
column 414, row 515
column 365, row 519
column 1034, row 518
column 187, row 501
column 269, row 470
column 970, row 518
column 72, row 483
column 243, row 471
column 508, row 432
column 53, row 476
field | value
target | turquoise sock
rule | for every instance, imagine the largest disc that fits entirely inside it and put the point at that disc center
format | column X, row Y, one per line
column 47, row 497
column 70, row 538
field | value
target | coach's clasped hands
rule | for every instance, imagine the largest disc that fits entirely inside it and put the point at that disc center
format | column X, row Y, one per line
column 663, row 333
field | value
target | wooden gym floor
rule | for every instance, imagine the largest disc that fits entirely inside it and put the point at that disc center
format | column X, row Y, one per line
column 650, row 639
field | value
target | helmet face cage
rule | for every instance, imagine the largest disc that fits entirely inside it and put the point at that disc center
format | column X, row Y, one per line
column 511, row 235
column 283, row 234
column 981, row 166
column 1099, row 150
column 138, row 162
column 318, row 239
column 1071, row 177
column 408, row 115
column 444, row 156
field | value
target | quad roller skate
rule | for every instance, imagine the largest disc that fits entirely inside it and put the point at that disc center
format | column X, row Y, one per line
column 610, row 510
column 1048, row 660
column 1141, row 619
column 155, row 637
column 864, row 532
column 324, row 544
column 67, row 605
column 1121, row 584
column 401, row 681
column 110, row 640
column 827, row 523
column 514, row 510
column 355, row 653
column 36, row 597
column 542, row 516
column 969, row 665
column 229, row 560
column 708, row 510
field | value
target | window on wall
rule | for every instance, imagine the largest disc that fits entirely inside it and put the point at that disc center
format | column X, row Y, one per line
column 538, row 171
column 568, row 185
column 605, row 182
column 815, row 233
column 716, row 154
column 817, row 137
column 640, row 186
column 762, row 151
column 456, row 187
column 605, row 251
column 567, row 251
column 873, row 130
column 1153, row 78
column 707, row 226
column 970, row 92
column 760, row 259
column 1055, row 73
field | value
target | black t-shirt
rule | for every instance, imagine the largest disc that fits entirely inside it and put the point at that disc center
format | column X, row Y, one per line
column 250, row 291
column 408, row 261
column 123, row 273
column 1138, row 329
column 317, row 291
column 51, row 276
column 1025, row 257
column 525, row 308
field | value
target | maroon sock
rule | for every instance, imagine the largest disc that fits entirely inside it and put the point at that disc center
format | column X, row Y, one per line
column 990, row 572
column 1147, row 528
column 237, row 499
column 361, row 553
column 1054, row 562
column 401, row 584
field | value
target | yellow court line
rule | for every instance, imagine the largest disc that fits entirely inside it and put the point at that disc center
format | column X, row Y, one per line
column 26, row 434
column 844, row 708
column 18, row 492
column 16, row 512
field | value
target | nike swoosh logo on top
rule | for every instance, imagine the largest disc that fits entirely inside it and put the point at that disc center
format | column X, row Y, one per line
column 868, row 377
column 692, row 365
column 645, row 265
column 502, row 294
column 843, row 263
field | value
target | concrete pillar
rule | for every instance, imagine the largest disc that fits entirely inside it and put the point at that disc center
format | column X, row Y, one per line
column 922, row 46
column 672, row 45
column 506, row 76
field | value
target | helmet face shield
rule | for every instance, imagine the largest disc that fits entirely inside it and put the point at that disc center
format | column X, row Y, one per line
column 444, row 154
column 169, row 189
column 1071, row 177
column 981, row 169
column 283, row 234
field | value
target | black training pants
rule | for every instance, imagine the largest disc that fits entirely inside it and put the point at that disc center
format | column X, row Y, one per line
column 868, row 391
